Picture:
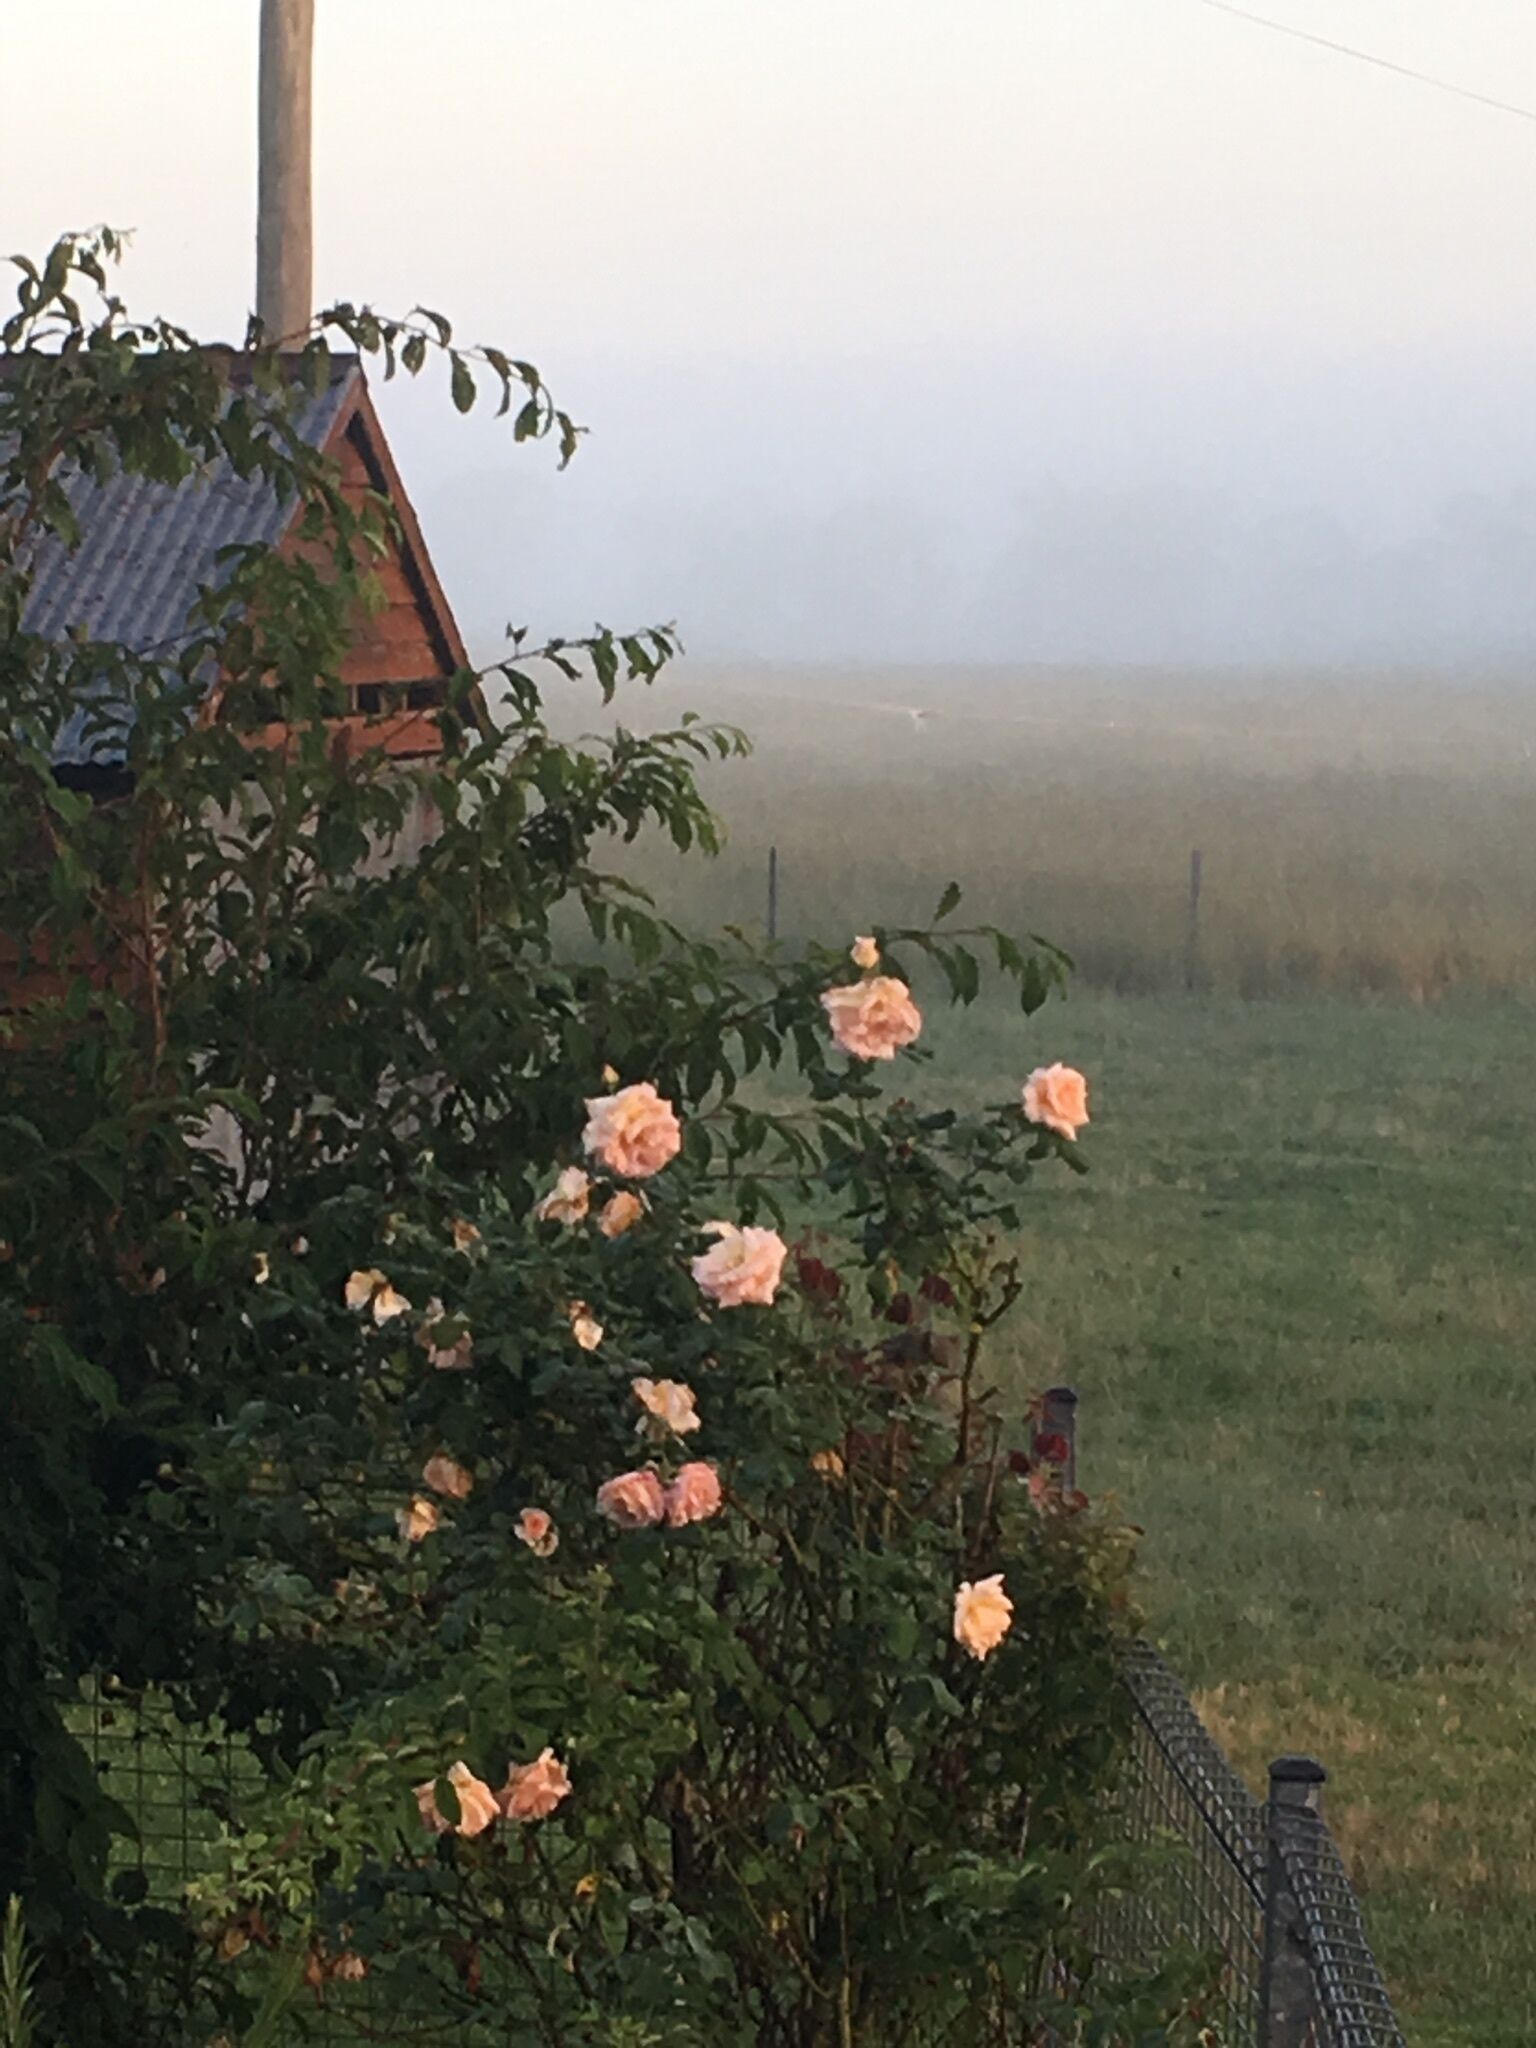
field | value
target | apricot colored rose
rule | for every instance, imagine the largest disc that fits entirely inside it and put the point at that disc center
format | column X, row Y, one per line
column 693, row 1496
column 619, row 1213
column 745, row 1266
column 418, row 1520
column 369, row 1288
column 632, row 1500
column 533, row 1791
column 828, row 1464
column 864, row 953
column 465, row 1235
column 447, row 1476
column 667, row 1402
column 983, row 1615
column 1057, row 1097
column 585, row 1327
column 567, row 1200
column 536, row 1528
column 634, row 1132
column 477, row 1803
column 872, row 1020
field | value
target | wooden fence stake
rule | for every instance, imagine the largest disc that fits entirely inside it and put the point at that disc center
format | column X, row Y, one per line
column 773, row 893
column 1192, row 935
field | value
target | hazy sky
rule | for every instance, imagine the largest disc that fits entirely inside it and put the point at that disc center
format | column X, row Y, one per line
column 1014, row 328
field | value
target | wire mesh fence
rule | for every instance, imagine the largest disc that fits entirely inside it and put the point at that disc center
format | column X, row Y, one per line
column 1262, row 1887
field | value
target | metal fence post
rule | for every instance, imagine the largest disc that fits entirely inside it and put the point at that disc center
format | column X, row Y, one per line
column 1058, row 1417
column 1286, row 2002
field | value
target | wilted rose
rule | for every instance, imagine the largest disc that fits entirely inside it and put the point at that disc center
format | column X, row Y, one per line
column 568, row 1199
column 533, row 1791
column 447, row 1476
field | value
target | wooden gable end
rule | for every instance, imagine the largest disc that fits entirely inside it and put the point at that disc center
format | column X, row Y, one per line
column 404, row 651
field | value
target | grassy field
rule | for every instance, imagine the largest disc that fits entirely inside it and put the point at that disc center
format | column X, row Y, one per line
column 1364, row 835
column 1296, row 1291
column 1297, row 1298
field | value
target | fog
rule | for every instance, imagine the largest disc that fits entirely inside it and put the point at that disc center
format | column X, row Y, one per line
column 1098, row 330
column 1097, row 510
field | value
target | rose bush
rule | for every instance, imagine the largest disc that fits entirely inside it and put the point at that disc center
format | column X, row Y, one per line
column 331, row 1313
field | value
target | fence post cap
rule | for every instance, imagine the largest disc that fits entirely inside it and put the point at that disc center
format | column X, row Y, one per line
column 1296, row 1781
column 1062, row 1397
column 1298, row 1770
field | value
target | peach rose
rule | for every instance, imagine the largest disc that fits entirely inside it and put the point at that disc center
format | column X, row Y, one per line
column 447, row 1476
column 743, row 1267
column 1057, row 1097
column 418, row 1520
column 619, row 1213
column 477, row 1803
column 983, row 1615
column 828, row 1464
column 864, row 953
column 873, row 1019
column 585, row 1327
column 634, row 1132
column 349, row 1967
column 369, row 1288
column 667, row 1402
column 567, row 1200
column 632, row 1500
column 693, row 1496
column 536, row 1528
column 465, row 1235
column 455, row 1357
column 533, row 1791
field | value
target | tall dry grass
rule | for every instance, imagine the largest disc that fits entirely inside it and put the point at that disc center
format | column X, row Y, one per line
column 1358, row 835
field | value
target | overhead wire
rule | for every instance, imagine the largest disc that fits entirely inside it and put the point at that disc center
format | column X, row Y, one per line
column 1303, row 35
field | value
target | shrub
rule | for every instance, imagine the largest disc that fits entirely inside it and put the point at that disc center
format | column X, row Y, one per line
column 645, row 1629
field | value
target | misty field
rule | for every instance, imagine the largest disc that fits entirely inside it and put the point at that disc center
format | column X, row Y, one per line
column 1358, row 835
column 1296, row 1289
column 1296, row 1295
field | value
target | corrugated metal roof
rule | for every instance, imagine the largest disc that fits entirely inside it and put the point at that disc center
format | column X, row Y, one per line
column 147, row 549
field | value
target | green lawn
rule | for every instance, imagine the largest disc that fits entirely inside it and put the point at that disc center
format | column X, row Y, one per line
column 1297, row 1296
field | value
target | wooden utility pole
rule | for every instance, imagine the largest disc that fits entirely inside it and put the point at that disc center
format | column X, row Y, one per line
column 284, row 230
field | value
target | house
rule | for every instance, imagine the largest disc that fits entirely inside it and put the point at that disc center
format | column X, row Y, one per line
column 147, row 548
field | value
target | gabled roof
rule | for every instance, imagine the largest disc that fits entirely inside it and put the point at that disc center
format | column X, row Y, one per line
column 146, row 549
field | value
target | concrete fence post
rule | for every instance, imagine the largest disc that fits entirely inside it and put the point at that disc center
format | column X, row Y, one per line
column 1286, row 2002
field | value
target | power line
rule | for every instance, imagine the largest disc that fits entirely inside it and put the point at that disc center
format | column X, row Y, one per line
column 1302, row 35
